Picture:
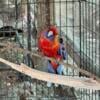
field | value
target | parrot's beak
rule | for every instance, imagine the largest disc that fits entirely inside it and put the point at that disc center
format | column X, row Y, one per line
column 50, row 33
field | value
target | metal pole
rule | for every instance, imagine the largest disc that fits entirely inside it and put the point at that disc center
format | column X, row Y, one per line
column 28, row 31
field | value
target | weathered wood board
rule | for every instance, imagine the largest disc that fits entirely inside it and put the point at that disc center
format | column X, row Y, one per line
column 87, row 83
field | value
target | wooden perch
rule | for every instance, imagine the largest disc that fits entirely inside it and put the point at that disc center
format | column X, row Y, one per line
column 37, row 54
column 76, row 82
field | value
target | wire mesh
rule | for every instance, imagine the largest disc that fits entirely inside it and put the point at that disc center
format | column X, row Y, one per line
column 78, row 22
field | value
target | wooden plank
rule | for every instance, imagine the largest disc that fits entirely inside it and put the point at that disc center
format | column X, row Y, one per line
column 87, row 83
column 37, row 54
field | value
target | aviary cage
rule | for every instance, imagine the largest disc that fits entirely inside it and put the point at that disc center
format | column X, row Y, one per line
column 21, row 21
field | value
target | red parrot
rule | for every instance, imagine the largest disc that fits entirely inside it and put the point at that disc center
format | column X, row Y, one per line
column 48, row 42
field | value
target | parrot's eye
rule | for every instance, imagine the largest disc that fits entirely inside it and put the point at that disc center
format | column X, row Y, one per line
column 50, row 33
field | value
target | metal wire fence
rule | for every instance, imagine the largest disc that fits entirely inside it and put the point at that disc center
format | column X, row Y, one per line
column 78, row 22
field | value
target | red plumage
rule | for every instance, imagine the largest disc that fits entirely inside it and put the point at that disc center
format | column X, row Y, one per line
column 49, row 47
